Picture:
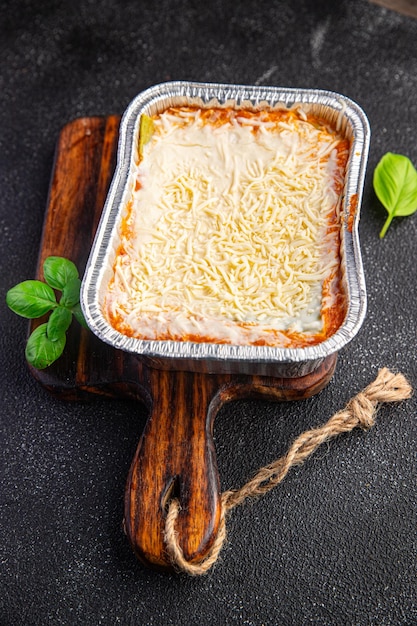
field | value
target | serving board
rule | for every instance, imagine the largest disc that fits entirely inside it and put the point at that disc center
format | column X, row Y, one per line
column 175, row 455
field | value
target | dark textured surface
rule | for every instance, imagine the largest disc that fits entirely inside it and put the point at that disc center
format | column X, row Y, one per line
column 335, row 544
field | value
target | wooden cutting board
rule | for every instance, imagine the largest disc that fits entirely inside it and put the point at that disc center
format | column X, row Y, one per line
column 176, row 454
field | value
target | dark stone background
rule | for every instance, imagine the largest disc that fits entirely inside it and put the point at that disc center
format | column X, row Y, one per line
column 335, row 544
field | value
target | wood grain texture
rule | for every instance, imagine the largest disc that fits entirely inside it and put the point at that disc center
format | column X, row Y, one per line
column 178, row 433
column 175, row 455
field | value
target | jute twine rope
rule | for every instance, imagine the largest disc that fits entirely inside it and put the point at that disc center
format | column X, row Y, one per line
column 359, row 412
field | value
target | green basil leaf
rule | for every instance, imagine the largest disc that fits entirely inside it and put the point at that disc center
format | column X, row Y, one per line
column 395, row 184
column 58, row 323
column 71, row 293
column 59, row 271
column 31, row 299
column 40, row 350
column 79, row 316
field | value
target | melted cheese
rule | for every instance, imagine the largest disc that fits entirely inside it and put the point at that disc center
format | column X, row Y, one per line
column 231, row 233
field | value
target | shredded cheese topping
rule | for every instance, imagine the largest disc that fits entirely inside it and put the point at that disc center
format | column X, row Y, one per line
column 231, row 232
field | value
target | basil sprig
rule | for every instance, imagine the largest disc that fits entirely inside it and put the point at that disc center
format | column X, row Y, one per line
column 34, row 298
column 395, row 184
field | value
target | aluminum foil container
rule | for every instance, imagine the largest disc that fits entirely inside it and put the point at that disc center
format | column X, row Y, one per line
column 342, row 113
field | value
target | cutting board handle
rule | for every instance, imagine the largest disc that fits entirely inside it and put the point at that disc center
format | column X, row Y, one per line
column 175, row 458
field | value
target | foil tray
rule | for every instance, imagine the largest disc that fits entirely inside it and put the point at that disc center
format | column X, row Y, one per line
column 342, row 113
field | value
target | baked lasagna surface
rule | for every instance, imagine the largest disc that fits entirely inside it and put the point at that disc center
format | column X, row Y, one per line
column 232, row 231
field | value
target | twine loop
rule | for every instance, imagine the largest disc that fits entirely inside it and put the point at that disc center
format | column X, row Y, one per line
column 359, row 412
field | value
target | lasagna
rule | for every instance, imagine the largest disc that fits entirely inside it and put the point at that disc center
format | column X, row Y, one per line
column 231, row 233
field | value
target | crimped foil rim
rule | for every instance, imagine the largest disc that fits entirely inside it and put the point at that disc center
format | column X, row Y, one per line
column 348, row 112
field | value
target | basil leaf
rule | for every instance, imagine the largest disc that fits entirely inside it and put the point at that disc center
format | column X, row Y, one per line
column 31, row 299
column 59, row 271
column 395, row 184
column 79, row 316
column 40, row 350
column 71, row 293
column 58, row 323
